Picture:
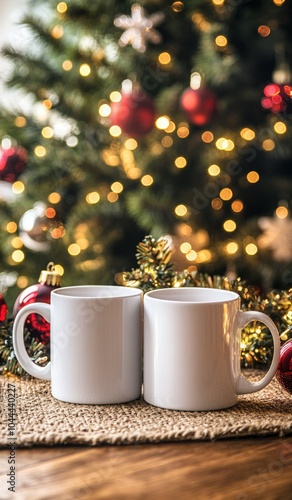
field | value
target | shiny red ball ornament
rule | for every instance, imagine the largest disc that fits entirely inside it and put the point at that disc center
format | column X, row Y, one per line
column 40, row 292
column 199, row 105
column 277, row 98
column 3, row 309
column 134, row 113
column 12, row 163
column 284, row 370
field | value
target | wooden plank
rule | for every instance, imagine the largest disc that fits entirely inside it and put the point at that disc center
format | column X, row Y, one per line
column 234, row 469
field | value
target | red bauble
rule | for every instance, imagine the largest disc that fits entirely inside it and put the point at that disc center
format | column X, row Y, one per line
column 12, row 163
column 198, row 105
column 134, row 113
column 40, row 292
column 3, row 309
column 284, row 371
column 278, row 98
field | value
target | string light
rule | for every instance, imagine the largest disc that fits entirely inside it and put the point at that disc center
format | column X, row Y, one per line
column 170, row 128
column 278, row 2
column 50, row 212
column 47, row 132
column 181, row 210
column 221, row 41
column 84, row 70
column 237, row 206
column 167, row 141
column 115, row 131
column 92, row 198
column 20, row 121
column 247, row 134
column 147, row 180
column 18, row 256
column 191, row 255
column 18, row 187
column 117, row 187
column 74, row 249
column 280, row 128
column 162, row 122
column 253, row 177
column 216, row 203
column 177, row 6
column 180, row 162
column 214, row 170
column 17, row 242
column 131, row 144
column 40, row 151
column 229, row 226
column 282, row 212
column 268, row 145
column 112, row 197
column 11, row 227
column 226, row 194
column 224, row 144
column 57, row 31
column 183, row 130
column 251, row 249
column 164, row 58
column 264, row 30
column 231, row 247
column 115, row 96
column 62, row 7
column 104, row 110
column 185, row 247
column 207, row 136
column 67, row 65
column 47, row 103
column 218, row 3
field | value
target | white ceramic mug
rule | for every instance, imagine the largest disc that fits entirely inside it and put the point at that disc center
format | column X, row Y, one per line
column 192, row 348
column 95, row 340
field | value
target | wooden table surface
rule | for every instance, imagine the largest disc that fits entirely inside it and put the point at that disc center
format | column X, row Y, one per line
column 238, row 469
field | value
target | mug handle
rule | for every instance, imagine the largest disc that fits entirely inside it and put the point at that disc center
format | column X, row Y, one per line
column 42, row 372
column 244, row 386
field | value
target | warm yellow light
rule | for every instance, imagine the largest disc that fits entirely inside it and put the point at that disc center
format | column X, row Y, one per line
column 162, row 122
column 112, row 197
column 67, row 65
column 264, row 30
column 134, row 173
column 191, row 255
column 17, row 242
column 214, row 170
column 40, row 151
column 54, row 197
column 221, row 143
column 170, row 128
column 20, row 121
column 221, row 41
column 207, row 136
column 253, row 177
column 22, row 282
column 74, row 249
column 226, row 194
column 282, row 212
column 237, row 206
column 83, row 243
column 47, row 103
column 229, row 226
column 268, row 145
column 115, row 131
column 184, row 229
column 181, row 210
column 218, row 3
column 231, row 247
column 280, row 128
column 251, row 249
column 167, row 141
column 18, row 256
column 59, row 269
column 84, row 70
column 11, row 227
column 58, row 232
column 247, row 134
column 183, row 130
column 57, row 31
column 50, row 212
column 117, row 187
column 47, row 132
column 92, row 198
column 115, row 96
column 104, row 110
column 278, row 2
column 147, row 180
column 185, row 247
column 177, row 6
column 203, row 256
column 180, row 162
column 62, row 7
column 131, row 144
column 18, row 187
column 196, row 80
column 216, row 203
column 164, row 58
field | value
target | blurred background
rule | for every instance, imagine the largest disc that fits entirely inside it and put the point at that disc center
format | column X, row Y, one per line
column 124, row 119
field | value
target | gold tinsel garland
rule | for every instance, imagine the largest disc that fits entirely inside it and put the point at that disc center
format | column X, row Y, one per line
column 155, row 270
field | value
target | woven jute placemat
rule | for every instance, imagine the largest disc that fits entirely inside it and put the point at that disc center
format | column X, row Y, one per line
column 39, row 419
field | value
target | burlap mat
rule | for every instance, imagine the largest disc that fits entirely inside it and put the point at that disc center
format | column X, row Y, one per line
column 42, row 420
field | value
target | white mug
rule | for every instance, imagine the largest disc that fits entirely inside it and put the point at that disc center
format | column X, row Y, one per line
column 95, row 341
column 192, row 349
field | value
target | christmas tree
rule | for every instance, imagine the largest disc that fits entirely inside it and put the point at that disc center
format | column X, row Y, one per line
column 162, row 118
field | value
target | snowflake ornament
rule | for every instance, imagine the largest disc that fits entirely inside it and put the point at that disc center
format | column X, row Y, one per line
column 139, row 29
column 276, row 237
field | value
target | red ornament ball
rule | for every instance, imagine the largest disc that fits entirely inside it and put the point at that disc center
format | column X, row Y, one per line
column 3, row 309
column 278, row 98
column 134, row 113
column 284, row 370
column 12, row 163
column 40, row 292
column 199, row 105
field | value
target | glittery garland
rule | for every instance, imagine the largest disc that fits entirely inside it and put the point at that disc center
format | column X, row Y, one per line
column 155, row 270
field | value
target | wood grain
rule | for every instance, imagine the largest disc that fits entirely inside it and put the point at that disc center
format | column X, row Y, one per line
column 242, row 469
